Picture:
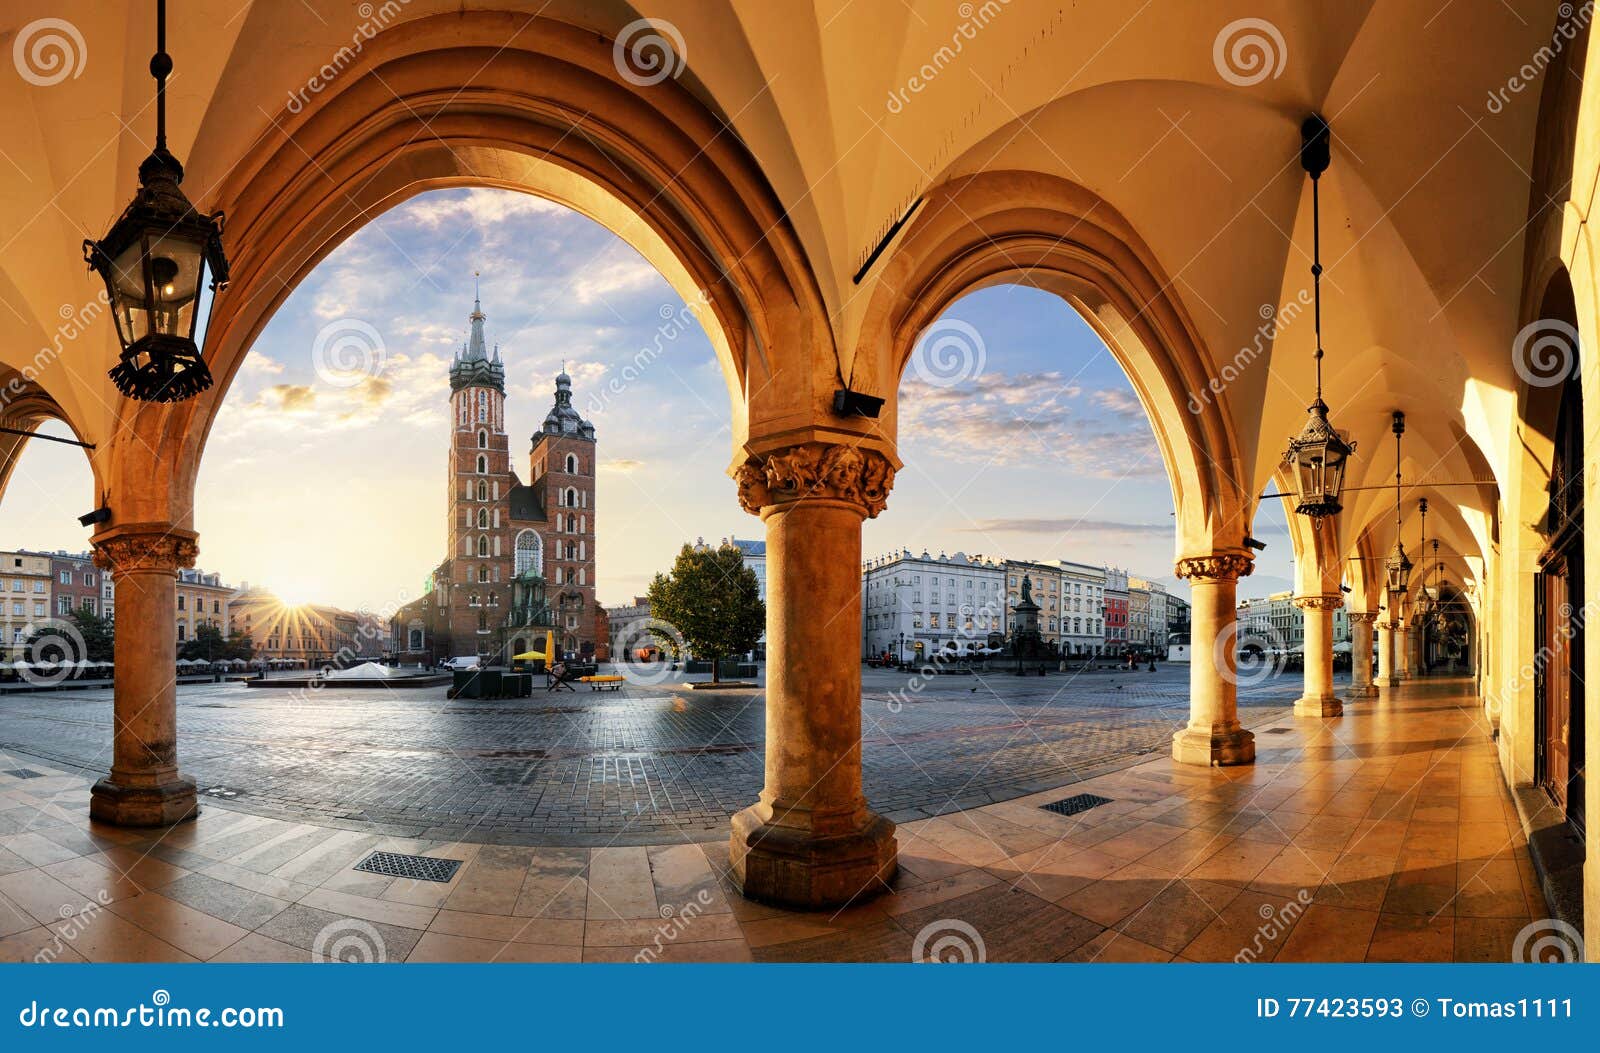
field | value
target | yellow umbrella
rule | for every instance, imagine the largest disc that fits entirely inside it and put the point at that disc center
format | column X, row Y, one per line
column 536, row 656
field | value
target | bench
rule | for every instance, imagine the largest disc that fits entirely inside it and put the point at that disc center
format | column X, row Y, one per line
column 602, row 683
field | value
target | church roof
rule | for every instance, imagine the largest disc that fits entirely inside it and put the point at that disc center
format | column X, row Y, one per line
column 473, row 366
column 563, row 419
column 527, row 505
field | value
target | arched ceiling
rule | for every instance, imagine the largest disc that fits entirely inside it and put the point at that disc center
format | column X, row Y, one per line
column 855, row 110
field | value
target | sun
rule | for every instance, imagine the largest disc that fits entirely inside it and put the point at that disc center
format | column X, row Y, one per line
column 292, row 593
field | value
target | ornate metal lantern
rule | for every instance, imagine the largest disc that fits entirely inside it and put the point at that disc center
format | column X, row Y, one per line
column 1398, row 567
column 155, row 261
column 1316, row 458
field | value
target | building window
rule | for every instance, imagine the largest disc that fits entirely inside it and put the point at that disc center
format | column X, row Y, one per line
column 483, row 465
column 483, row 439
column 483, row 545
column 66, row 577
column 483, row 491
column 483, row 518
column 572, row 465
column 529, row 553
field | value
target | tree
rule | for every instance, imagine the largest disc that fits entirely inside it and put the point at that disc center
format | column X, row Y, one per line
column 712, row 600
column 209, row 644
column 56, row 642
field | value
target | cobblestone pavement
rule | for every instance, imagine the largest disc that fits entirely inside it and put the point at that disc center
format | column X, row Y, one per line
column 642, row 766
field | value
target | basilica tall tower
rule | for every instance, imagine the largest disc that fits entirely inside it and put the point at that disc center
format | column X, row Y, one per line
column 480, row 481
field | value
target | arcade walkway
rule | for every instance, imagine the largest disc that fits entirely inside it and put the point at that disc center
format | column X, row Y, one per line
column 1385, row 835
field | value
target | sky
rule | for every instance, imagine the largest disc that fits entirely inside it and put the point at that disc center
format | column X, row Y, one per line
column 324, row 478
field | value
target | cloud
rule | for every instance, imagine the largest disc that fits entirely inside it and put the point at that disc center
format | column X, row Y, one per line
column 480, row 206
column 1069, row 525
column 622, row 464
column 258, row 363
column 1121, row 403
column 287, row 398
column 603, row 280
column 1038, row 417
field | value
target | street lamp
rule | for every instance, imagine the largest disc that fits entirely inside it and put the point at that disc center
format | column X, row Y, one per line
column 154, row 262
column 1317, row 457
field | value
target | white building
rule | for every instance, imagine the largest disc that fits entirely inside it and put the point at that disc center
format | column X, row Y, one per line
column 913, row 606
column 1151, row 629
column 1083, row 589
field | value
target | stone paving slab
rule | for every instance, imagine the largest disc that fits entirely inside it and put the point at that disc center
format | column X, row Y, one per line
column 641, row 767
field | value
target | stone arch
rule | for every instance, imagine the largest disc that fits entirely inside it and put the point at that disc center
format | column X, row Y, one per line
column 1029, row 228
column 445, row 101
column 24, row 405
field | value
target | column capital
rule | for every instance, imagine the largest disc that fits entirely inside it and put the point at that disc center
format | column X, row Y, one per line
column 1363, row 617
column 1319, row 603
column 145, row 546
column 1222, row 566
column 856, row 475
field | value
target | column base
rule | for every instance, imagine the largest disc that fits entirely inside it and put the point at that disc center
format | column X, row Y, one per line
column 1223, row 746
column 793, row 867
column 1364, row 690
column 1385, row 681
column 1318, row 706
column 164, row 805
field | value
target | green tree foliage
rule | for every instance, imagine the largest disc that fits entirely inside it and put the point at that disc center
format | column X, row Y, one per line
column 208, row 644
column 59, row 643
column 713, row 600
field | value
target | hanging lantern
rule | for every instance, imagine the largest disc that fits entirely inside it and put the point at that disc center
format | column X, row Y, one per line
column 1316, row 460
column 1317, row 457
column 155, row 260
column 1398, row 567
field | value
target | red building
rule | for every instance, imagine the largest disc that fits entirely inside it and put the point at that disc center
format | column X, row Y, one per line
column 75, row 584
column 521, row 557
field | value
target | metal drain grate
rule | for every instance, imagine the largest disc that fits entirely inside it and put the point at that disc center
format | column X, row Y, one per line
column 1074, row 805
column 417, row 868
column 23, row 773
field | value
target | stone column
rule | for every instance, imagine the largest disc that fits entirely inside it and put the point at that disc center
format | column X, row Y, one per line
column 1386, row 634
column 1318, row 699
column 1402, row 652
column 1361, row 685
column 1213, row 735
column 810, row 841
column 144, row 787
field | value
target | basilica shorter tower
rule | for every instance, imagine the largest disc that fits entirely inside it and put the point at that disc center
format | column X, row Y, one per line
column 521, row 556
